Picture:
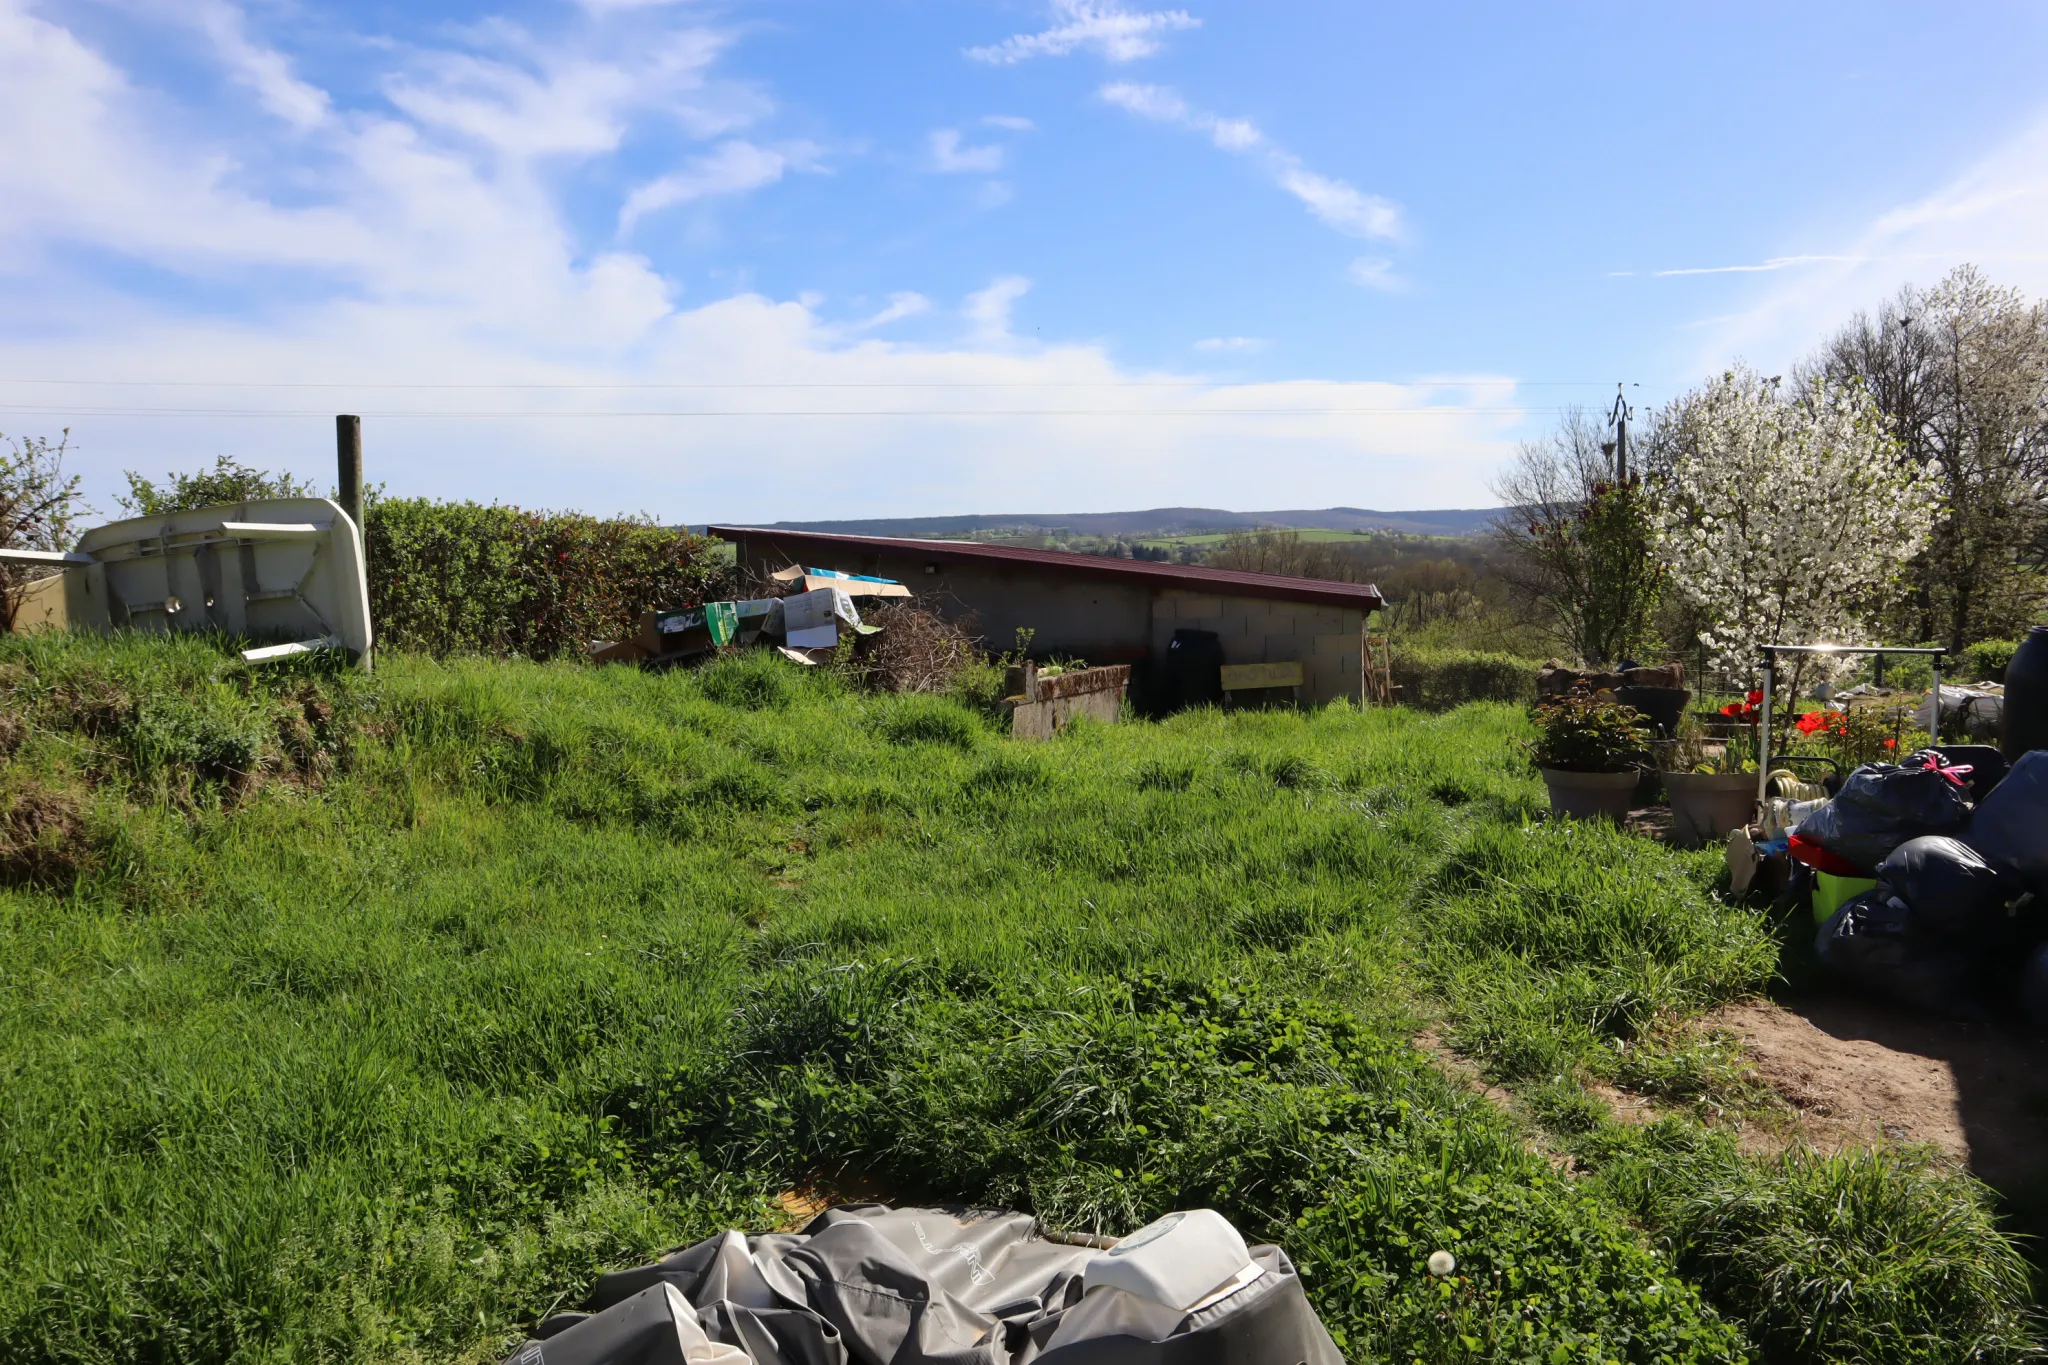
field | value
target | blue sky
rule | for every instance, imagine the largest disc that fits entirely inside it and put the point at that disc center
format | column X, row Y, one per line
column 795, row 260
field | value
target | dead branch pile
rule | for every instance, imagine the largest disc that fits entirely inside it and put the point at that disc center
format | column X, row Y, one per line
column 916, row 651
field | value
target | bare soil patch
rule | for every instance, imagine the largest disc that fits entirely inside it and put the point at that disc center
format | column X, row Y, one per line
column 1856, row 1072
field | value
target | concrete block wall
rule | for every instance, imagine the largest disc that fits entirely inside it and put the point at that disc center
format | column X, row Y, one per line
column 1325, row 641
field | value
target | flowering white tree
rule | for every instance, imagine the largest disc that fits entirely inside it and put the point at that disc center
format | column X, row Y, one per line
column 1784, row 518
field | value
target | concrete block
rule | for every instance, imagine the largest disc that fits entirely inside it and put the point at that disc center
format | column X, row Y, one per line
column 1285, row 649
column 1198, row 606
column 1338, row 645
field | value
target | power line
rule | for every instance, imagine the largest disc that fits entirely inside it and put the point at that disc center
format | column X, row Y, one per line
column 821, row 384
column 1437, row 410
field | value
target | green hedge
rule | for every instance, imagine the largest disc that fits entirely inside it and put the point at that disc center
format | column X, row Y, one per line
column 1439, row 679
column 450, row 577
column 1985, row 661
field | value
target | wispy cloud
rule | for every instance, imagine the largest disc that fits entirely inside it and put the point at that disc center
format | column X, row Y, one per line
column 264, row 70
column 734, row 167
column 1111, row 31
column 988, row 310
column 1237, row 344
column 1376, row 272
column 950, row 157
column 904, row 304
column 1340, row 205
column 1015, row 123
column 1993, row 213
column 1762, row 267
column 1350, row 211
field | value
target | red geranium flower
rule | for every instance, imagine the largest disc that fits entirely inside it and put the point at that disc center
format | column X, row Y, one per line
column 1811, row 721
column 1756, row 698
column 1891, row 744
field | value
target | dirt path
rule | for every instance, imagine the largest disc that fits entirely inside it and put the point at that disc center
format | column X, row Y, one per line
column 1857, row 1071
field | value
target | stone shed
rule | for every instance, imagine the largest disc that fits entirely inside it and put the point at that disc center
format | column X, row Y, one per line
column 1107, row 611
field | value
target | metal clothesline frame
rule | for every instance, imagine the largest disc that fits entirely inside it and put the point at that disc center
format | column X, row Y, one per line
column 1770, row 655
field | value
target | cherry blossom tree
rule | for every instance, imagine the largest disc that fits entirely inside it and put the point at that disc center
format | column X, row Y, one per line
column 1784, row 517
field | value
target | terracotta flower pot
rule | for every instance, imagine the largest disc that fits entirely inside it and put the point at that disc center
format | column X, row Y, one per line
column 1706, row 806
column 1591, row 796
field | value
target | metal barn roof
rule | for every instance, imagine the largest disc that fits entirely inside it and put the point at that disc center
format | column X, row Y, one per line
column 816, row 545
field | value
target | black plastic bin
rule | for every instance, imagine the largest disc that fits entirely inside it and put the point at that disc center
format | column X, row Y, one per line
column 1194, row 670
column 2026, row 697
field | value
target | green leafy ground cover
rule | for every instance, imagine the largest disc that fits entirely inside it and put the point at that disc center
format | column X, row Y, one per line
column 351, row 1018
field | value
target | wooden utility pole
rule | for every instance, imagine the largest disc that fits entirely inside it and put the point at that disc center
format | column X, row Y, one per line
column 1618, row 447
column 348, row 466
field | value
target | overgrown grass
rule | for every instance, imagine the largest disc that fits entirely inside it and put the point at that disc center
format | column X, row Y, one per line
column 379, row 1046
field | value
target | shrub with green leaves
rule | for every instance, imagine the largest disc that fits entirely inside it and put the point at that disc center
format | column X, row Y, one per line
column 1581, row 733
column 1985, row 661
column 451, row 577
column 1441, row 679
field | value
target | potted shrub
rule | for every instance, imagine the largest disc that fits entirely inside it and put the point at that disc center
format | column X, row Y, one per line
column 1712, row 791
column 1590, row 752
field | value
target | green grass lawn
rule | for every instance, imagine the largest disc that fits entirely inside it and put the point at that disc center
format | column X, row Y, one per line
column 349, row 1018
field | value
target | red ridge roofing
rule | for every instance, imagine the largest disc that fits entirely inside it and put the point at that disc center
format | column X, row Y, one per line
column 1193, row 577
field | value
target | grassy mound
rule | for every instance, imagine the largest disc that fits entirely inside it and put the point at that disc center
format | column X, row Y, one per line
column 368, row 1018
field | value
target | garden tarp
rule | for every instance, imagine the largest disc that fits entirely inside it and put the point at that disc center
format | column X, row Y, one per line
column 870, row 1285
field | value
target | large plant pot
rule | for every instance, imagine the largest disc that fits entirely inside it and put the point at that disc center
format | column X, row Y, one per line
column 1706, row 806
column 1591, row 796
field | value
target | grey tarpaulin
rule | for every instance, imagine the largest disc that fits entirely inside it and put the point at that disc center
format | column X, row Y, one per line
column 870, row 1285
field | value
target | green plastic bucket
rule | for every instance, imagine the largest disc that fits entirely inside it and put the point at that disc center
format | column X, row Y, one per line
column 1829, row 891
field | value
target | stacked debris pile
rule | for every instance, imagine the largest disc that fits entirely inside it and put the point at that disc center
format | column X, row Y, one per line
column 1947, row 866
column 1556, row 680
column 871, row 1285
column 1659, row 693
column 806, row 621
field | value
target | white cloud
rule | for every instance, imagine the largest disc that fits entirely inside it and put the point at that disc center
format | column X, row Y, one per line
column 431, row 245
column 734, row 167
column 1147, row 101
column 1240, row 344
column 1014, row 123
column 903, row 304
column 261, row 69
column 1994, row 213
column 949, row 157
column 988, row 310
column 1234, row 134
column 1350, row 211
column 1760, row 268
column 1115, row 33
column 1376, row 272
column 1339, row 205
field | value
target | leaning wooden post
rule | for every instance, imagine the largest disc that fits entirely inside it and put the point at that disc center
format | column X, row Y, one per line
column 348, row 464
column 348, row 481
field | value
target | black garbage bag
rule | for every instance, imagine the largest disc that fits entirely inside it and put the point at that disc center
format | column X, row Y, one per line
column 2034, row 988
column 2010, row 829
column 1881, row 806
column 1869, row 944
column 1949, row 890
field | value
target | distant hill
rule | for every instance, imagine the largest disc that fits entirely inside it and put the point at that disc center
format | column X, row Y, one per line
column 1165, row 521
